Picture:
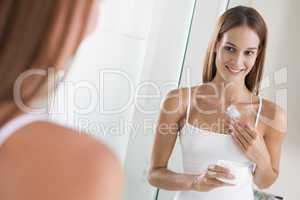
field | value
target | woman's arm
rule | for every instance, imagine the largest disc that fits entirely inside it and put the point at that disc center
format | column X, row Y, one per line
column 172, row 111
column 267, row 172
column 49, row 162
column 263, row 146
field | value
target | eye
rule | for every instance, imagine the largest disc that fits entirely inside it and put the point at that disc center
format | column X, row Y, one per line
column 249, row 53
column 229, row 48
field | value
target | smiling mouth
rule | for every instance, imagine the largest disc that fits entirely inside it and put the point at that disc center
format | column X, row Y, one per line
column 234, row 71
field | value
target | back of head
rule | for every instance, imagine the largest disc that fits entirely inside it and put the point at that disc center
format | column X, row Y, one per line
column 36, row 35
column 235, row 17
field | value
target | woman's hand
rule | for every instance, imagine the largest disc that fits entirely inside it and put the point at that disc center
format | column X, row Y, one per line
column 208, row 181
column 250, row 141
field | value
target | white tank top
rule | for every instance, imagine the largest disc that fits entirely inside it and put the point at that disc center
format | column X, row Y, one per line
column 17, row 123
column 200, row 148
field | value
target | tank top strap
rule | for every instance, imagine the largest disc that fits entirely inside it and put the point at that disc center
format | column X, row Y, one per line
column 258, row 112
column 19, row 122
column 189, row 105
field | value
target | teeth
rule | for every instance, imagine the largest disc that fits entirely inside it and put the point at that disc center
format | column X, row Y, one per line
column 233, row 70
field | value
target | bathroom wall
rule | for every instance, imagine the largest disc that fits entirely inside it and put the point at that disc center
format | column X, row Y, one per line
column 281, row 83
column 162, row 65
column 98, row 92
column 206, row 15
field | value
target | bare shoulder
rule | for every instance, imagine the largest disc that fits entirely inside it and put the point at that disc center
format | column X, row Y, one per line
column 203, row 91
column 178, row 93
column 273, row 117
column 59, row 162
column 182, row 94
column 176, row 101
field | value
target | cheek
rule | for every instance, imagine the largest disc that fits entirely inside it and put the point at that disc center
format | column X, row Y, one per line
column 250, row 63
column 222, row 57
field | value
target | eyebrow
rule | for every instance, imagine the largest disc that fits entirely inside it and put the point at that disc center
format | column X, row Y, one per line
column 252, row 48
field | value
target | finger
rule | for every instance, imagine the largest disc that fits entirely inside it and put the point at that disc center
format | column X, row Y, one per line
column 210, row 182
column 219, row 168
column 244, row 134
column 234, row 121
column 211, row 174
column 225, row 117
column 229, row 121
column 228, row 129
column 242, row 140
column 216, row 183
column 215, row 174
column 222, row 170
column 213, row 182
column 238, row 142
column 251, row 131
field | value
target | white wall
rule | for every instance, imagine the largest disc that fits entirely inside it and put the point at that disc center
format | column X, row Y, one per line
column 119, row 45
column 204, row 23
column 162, row 66
column 283, row 54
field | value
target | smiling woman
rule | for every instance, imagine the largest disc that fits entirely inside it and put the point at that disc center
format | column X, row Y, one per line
column 246, row 25
column 232, row 75
column 241, row 57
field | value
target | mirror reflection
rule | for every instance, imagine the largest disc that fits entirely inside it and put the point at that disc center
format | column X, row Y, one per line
column 212, row 95
column 152, row 100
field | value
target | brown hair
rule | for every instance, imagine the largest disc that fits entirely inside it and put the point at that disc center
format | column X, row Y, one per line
column 36, row 34
column 234, row 17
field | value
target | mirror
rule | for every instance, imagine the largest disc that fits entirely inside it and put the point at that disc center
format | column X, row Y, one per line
column 164, row 58
column 119, row 86
column 163, row 50
column 279, row 64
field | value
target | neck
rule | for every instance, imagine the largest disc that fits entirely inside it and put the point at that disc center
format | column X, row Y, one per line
column 231, row 92
column 10, row 110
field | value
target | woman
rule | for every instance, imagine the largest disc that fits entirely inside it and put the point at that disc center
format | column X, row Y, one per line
column 40, row 159
column 232, row 74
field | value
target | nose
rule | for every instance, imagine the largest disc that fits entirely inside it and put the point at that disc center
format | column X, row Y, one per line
column 238, row 60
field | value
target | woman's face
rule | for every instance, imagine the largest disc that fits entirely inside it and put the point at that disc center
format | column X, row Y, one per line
column 236, row 53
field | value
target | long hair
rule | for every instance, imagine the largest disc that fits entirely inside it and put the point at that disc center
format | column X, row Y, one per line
column 234, row 17
column 36, row 34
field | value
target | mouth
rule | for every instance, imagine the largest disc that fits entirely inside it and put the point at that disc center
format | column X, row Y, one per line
column 233, row 70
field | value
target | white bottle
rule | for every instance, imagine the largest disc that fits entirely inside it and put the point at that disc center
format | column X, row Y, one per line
column 233, row 112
